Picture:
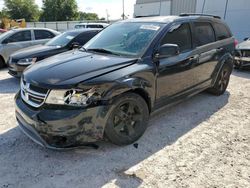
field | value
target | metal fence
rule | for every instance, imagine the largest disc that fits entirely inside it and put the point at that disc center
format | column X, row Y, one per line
column 62, row 25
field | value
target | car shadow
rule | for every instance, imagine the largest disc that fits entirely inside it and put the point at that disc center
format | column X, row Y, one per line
column 21, row 158
column 8, row 84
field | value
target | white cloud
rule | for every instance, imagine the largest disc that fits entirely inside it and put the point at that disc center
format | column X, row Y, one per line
column 114, row 7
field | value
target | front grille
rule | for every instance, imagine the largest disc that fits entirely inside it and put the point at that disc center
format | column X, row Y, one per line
column 33, row 95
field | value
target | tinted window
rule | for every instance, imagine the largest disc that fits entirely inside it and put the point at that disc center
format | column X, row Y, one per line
column 180, row 35
column 42, row 34
column 84, row 37
column 94, row 26
column 62, row 39
column 221, row 31
column 204, row 34
column 20, row 37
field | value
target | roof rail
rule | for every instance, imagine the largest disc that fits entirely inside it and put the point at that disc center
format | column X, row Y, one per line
column 194, row 14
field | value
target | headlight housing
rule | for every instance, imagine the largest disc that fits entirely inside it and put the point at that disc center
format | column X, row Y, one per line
column 27, row 61
column 73, row 97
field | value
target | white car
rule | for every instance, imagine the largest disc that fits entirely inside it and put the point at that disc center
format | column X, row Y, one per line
column 91, row 25
column 17, row 39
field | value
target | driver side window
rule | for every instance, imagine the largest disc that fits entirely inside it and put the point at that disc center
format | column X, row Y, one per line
column 20, row 36
column 180, row 35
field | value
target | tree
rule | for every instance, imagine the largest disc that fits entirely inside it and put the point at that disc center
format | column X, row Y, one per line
column 59, row 10
column 17, row 9
column 4, row 13
column 88, row 16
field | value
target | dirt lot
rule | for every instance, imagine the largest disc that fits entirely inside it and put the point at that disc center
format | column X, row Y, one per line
column 203, row 142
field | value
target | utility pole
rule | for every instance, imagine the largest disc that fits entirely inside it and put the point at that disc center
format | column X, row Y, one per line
column 107, row 15
column 225, row 13
column 123, row 10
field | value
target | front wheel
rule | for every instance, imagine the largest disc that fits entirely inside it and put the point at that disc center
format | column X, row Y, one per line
column 222, row 81
column 128, row 119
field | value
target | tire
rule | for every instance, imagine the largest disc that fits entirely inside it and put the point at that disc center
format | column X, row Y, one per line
column 222, row 81
column 128, row 119
column 2, row 63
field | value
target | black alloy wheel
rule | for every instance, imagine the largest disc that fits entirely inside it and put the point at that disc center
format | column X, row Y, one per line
column 128, row 119
column 222, row 81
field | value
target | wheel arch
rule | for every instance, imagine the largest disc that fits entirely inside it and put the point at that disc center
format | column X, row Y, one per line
column 138, row 86
column 225, row 59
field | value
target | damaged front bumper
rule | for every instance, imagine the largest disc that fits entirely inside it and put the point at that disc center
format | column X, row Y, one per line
column 242, row 58
column 60, row 127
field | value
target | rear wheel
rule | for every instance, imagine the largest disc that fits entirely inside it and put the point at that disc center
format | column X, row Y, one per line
column 222, row 81
column 2, row 63
column 128, row 119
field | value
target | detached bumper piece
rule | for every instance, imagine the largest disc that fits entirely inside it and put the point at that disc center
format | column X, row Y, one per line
column 61, row 129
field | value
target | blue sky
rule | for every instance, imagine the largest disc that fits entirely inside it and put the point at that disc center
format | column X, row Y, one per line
column 114, row 7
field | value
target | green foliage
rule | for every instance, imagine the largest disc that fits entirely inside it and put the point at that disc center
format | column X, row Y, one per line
column 52, row 10
column 4, row 14
column 59, row 10
column 17, row 9
column 88, row 16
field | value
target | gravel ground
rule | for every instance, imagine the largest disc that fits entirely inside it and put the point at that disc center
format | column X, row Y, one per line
column 203, row 142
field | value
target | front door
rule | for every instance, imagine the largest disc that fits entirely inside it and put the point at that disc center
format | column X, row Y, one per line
column 176, row 74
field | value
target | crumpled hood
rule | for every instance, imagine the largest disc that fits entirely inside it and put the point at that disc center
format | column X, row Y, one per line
column 244, row 45
column 33, row 51
column 70, row 68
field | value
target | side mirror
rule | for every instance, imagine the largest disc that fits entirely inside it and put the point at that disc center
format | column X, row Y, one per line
column 75, row 45
column 245, row 39
column 167, row 50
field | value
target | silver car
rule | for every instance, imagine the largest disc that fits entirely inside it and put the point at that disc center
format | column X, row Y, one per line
column 17, row 39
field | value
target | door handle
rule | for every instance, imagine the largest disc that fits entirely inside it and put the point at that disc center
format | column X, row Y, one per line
column 219, row 49
column 194, row 58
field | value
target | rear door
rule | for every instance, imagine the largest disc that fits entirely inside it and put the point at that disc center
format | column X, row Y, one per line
column 204, row 40
column 17, row 41
column 42, row 36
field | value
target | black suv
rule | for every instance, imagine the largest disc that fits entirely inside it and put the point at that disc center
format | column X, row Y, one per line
column 109, row 87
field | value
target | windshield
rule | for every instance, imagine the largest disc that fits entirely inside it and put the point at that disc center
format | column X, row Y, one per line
column 124, row 38
column 62, row 40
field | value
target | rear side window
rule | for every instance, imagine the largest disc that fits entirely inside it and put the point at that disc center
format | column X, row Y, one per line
column 203, row 34
column 180, row 35
column 43, row 34
column 21, row 36
column 221, row 31
column 84, row 37
column 94, row 26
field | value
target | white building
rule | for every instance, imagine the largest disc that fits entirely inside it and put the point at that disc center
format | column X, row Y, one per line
column 235, row 12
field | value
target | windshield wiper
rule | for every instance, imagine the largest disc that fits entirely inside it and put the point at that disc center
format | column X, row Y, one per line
column 83, row 49
column 102, row 50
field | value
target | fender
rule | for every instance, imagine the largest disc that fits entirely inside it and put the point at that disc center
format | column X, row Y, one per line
column 135, row 84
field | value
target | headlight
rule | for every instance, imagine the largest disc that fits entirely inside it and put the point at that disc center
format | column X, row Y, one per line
column 73, row 97
column 27, row 61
